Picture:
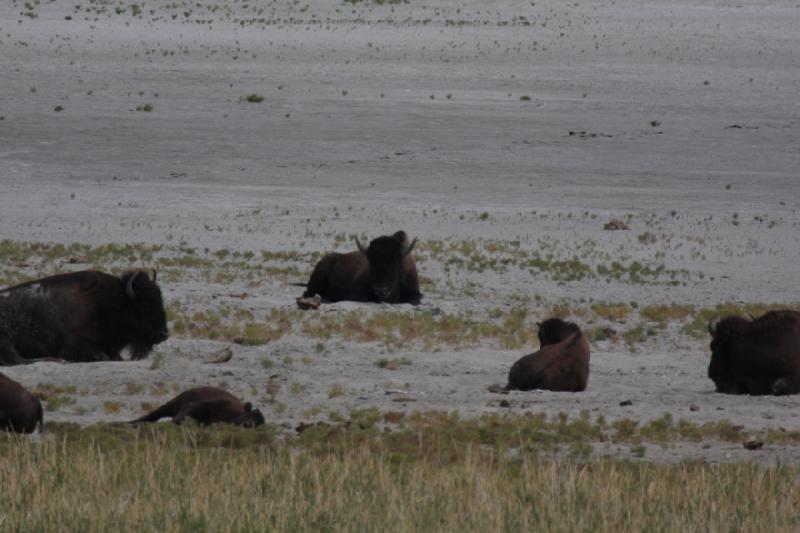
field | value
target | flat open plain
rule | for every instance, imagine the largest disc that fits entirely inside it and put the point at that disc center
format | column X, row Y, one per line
column 503, row 135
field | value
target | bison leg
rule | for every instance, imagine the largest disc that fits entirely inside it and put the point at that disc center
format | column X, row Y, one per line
column 318, row 284
column 414, row 299
column 785, row 385
column 85, row 354
column 9, row 356
column 166, row 410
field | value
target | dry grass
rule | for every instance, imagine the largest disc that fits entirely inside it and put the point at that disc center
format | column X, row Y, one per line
column 185, row 479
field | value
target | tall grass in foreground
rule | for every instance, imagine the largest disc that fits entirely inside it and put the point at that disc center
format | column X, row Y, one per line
column 152, row 483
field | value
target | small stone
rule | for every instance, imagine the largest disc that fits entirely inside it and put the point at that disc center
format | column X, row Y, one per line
column 308, row 303
column 694, row 407
column 625, row 403
column 616, row 224
column 504, row 403
column 753, row 444
column 403, row 399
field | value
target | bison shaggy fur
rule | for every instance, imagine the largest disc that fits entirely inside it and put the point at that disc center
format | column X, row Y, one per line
column 80, row 317
column 206, row 405
column 20, row 411
column 756, row 355
column 561, row 364
column 384, row 271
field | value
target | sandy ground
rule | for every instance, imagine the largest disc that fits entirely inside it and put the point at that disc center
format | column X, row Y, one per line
column 549, row 117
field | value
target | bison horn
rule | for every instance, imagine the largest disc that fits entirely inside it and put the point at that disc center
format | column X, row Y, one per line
column 360, row 246
column 155, row 274
column 407, row 251
column 712, row 325
column 129, row 286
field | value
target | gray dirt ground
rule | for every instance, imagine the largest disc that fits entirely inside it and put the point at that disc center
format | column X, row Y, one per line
column 528, row 121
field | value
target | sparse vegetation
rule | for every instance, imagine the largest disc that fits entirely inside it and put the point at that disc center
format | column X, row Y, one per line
column 431, row 473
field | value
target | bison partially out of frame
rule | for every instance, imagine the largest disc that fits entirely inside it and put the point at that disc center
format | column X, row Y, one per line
column 384, row 271
column 756, row 355
column 81, row 317
column 20, row 411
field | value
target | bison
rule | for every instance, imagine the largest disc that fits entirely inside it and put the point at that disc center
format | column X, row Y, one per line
column 384, row 271
column 80, row 317
column 756, row 355
column 20, row 411
column 561, row 364
column 207, row 405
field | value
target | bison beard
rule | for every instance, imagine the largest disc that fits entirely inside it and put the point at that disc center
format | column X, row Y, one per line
column 756, row 355
column 561, row 364
column 384, row 271
column 81, row 317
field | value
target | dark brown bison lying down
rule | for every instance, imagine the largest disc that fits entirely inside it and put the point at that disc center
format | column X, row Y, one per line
column 20, row 411
column 207, row 405
column 81, row 316
column 756, row 355
column 561, row 364
column 384, row 271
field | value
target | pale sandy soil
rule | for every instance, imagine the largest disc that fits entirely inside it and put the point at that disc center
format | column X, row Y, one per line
column 684, row 117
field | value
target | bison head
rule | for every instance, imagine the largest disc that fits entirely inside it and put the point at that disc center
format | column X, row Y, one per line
column 555, row 330
column 145, row 319
column 251, row 417
column 723, row 332
column 385, row 256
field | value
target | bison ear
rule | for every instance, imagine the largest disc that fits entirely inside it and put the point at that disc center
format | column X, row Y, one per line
column 248, row 407
column 407, row 251
column 129, row 286
column 360, row 246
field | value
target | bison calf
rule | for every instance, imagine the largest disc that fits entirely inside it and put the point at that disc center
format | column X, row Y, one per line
column 384, row 271
column 561, row 364
column 20, row 411
column 80, row 317
column 756, row 355
column 207, row 405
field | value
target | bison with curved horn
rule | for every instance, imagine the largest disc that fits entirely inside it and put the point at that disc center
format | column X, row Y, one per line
column 756, row 355
column 384, row 271
column 206, row 405
column 81, row 317
column 20, row 411
column 561, row 364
